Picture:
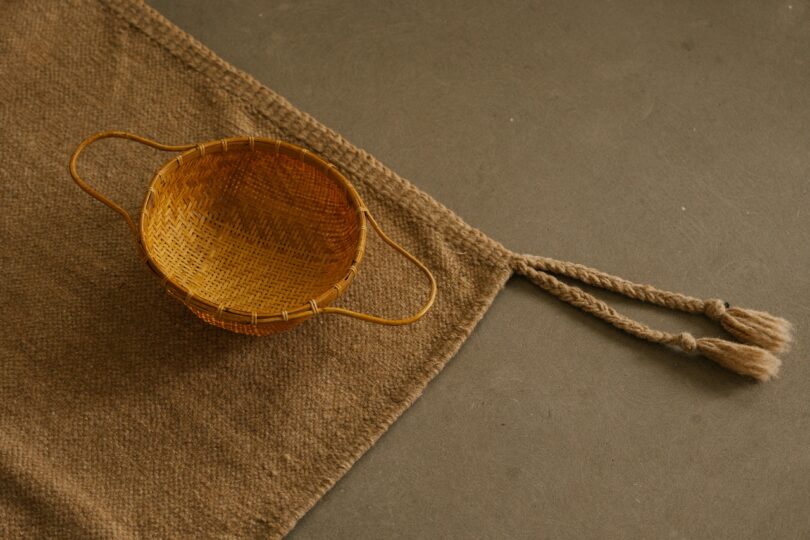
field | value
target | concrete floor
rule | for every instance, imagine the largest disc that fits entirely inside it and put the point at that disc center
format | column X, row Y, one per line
column 666, row 142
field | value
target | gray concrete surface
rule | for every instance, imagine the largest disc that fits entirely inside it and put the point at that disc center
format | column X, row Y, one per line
column 666, row 142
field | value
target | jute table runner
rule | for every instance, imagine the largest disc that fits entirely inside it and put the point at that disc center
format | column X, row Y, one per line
column 121, row 415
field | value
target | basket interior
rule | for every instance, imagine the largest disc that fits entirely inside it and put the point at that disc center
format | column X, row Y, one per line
column 253, row 230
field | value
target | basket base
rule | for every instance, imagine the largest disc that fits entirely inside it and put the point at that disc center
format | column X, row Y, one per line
column 262, row 329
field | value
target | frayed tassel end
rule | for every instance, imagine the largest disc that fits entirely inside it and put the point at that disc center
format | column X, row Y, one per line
column 758, row 328
column 743, row 359
column 750, row 326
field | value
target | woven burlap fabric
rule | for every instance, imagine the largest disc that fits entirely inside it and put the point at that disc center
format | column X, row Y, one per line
column 121, row 414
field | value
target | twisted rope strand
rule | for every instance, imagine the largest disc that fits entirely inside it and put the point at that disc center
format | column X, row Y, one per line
column 590, row 304
column 757, row 329
column 637, row 291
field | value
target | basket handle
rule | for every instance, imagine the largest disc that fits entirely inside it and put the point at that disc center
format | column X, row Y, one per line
column 118, row 135
column 381, row 320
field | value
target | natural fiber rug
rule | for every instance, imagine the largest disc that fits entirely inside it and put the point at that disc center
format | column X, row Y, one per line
column 121, row 414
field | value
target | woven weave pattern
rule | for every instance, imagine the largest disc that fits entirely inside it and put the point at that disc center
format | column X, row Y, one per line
column 251, row 229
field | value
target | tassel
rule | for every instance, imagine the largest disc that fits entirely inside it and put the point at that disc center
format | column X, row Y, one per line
column 754, row 327
column 743, row 359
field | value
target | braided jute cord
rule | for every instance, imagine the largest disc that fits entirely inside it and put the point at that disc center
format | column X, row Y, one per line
column 760, row 334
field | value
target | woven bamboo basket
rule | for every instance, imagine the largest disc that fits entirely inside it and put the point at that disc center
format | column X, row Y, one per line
column 253, row 235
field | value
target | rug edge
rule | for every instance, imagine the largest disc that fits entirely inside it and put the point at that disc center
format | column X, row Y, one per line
column 454, row 344
column 356, row 160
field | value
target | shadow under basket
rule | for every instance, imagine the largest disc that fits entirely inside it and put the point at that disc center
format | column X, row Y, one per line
column 253, row 235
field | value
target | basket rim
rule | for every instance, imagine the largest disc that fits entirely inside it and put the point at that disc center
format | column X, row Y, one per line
column 221, row 311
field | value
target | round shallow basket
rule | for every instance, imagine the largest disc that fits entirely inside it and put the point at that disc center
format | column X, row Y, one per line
column 253, row 235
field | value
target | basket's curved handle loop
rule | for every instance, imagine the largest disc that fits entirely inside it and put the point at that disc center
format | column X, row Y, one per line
column 118, row 135
column 381, row 320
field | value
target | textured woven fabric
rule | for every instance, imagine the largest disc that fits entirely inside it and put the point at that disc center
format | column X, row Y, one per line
column 123, row 415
